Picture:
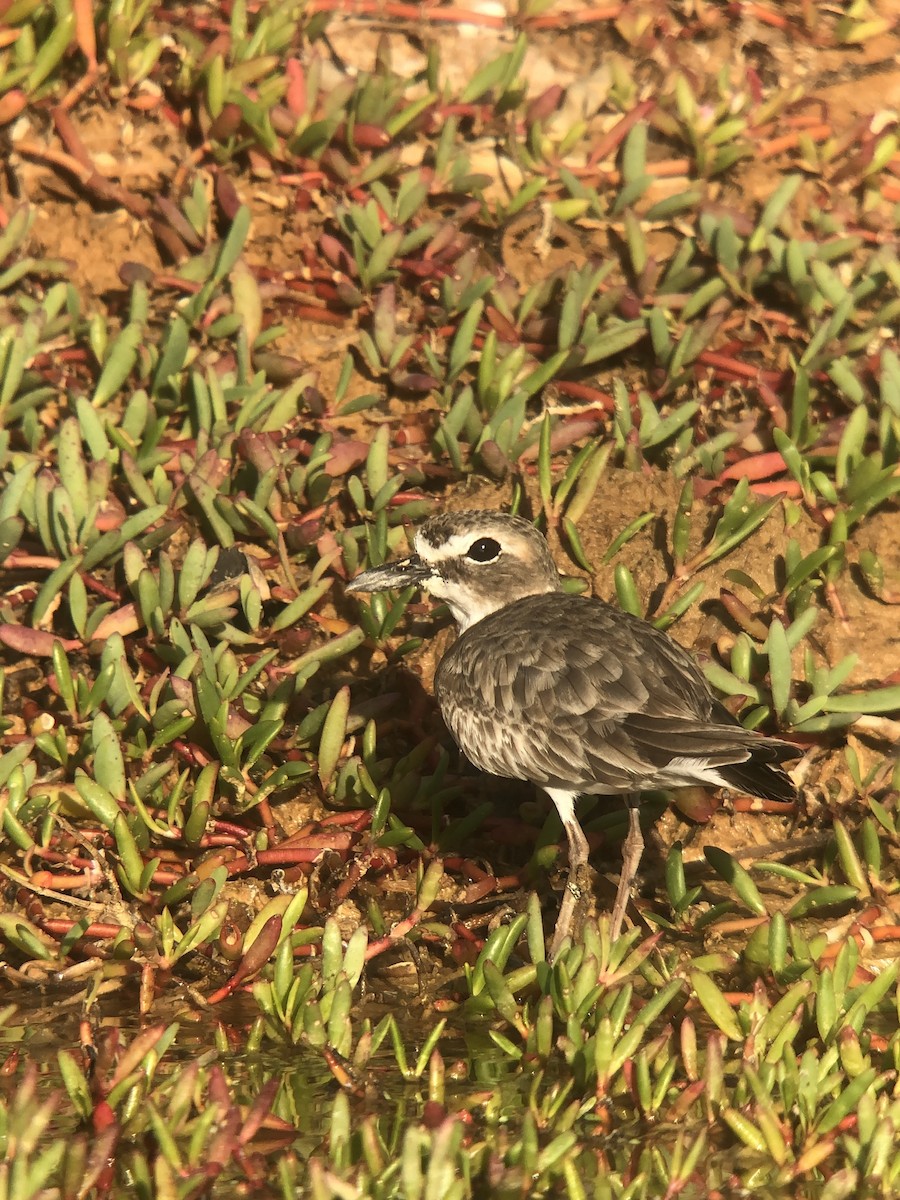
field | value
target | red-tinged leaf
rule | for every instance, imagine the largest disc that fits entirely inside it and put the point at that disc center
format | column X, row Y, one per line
column 221, row 1148
column 778, row 807
column 415, row 381
column 506, row 331
column 103, row 1117
column 477, row 891
column 756, row 466
column 11, row 105
column 254, row 960
column 772, row 401
column 410, row 435
column 258, row 449
column 179, row 222
column 227, row 123
column 619, row 131
column 330, row 839
column 219, row 1091
column 583, row 391
column 39, row 642
column 307, row 533
column 734, row 366
column 279, row 369
column 433, row 1114
column 295, row 97
column 494, row 459
column 262, row 949
column 227, row 196
column 742, row 615
column 124, row 620
column 704, row 488
column 184, row 690
column 441, row 240
column 346, row 456
column 235, row 724
column 407, row 498
column 321, row 316
column 688, row 1097
column 364, row 137
column 174, row 247
column 697, row 804
column 335, row 253
column 85, row 34
column 630, row 305
column 110, row 516
column 327, row 545
column 778, row 487
column 544, row 104
column 259, row 1111
column 562, row 437
column 135, row 1053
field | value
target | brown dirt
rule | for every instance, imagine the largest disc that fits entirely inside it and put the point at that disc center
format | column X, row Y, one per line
column 145, row 151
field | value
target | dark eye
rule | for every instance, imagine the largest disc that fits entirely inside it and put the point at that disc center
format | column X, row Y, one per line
column 484, row 550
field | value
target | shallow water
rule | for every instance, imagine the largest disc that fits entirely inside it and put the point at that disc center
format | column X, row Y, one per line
column 492, row 1091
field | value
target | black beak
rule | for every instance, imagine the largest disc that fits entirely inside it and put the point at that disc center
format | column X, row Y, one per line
column 392, row 575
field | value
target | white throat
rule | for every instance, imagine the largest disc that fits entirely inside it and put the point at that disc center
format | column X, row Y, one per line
column 467, row 609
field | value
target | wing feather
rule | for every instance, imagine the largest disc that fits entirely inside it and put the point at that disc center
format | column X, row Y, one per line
column 568, row 692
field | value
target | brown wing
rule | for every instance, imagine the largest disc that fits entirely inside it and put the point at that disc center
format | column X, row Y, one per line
column 569, row 692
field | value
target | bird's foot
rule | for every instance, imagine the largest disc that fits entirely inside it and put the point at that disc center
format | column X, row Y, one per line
column 578, row 903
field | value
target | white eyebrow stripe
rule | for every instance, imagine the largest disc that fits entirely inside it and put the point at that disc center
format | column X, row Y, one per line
column 456, row 546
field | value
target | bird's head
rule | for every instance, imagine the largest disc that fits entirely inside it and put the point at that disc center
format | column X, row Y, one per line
column 476, row 562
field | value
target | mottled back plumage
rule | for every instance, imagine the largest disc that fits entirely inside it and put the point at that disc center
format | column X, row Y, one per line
column 567, row 691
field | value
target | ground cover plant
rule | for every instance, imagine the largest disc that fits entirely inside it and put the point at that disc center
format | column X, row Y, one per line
column 279, row 279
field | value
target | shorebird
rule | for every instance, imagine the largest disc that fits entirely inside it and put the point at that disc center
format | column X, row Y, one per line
column 569, row 692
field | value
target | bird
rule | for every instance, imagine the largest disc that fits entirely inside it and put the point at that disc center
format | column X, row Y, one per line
column 568, row 692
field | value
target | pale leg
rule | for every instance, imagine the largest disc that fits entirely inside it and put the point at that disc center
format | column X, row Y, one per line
column 578, row 879
column 632, row 850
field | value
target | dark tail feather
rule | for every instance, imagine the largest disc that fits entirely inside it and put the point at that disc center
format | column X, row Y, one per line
column 762, row 774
